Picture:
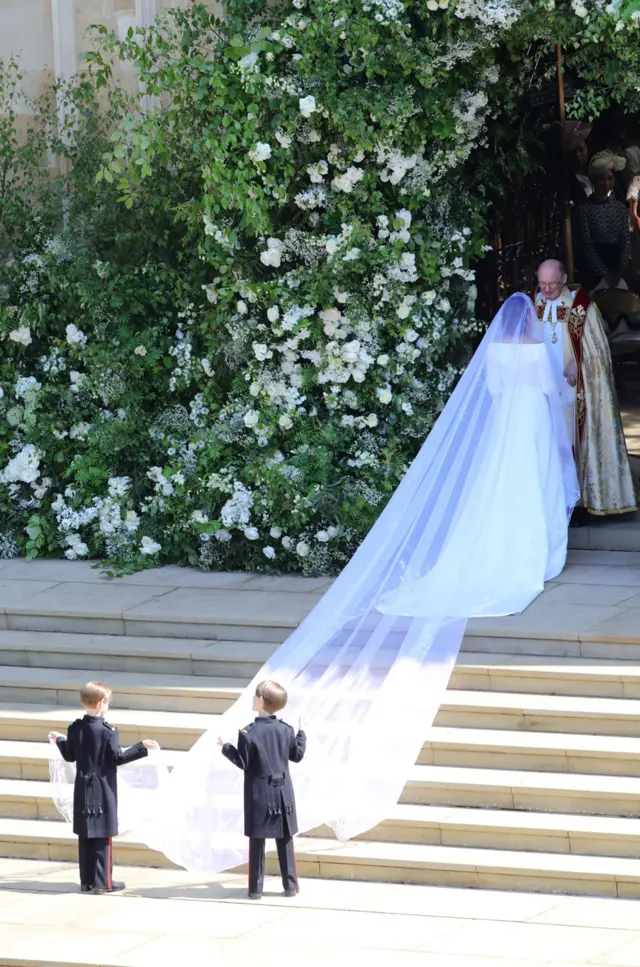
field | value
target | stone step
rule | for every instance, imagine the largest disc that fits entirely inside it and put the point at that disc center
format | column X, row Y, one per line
column 526, row 751
column 173, row 730
column 460, row 710
column 411, row 823
column 142, row 654
column 555, row 792
column 547, row 675
column 435, row 785
column 253, row 612
column 132, row 690
column 184, row 658
column 462, row 866
column 540, row 713
column 471, row 748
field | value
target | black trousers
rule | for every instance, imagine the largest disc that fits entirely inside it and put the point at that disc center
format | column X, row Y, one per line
column 96, row 862
column 286, row 858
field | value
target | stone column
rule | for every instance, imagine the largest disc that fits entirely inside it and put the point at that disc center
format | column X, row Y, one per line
column 65, row 57
column 146, row 13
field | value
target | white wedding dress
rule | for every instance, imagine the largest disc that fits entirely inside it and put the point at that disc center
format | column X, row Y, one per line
column 474, row 529
column 521, row 481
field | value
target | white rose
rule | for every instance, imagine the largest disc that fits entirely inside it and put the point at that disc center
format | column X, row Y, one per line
column 302, row 549
column 403, row 311
column 262, row 351
column 223, row 535
column 407, row 408
column 429, row 297
column 261, row 152
column 254, row 389
column 140, row 351
column 331, row 246
column 242, row 307
column 384, row 395
column 251, row 533
column 371, row 420
column 383, row 360
column 251, row 418
column 287, row 543
column 21, row 335
column 149, row 546
column 273, row 314
column 269, row 552
column 332, row 532
column 285, row 422
column 358, row 376
column 322, row 536
column 307, row 105
column 284, row 140
column 411, row 335
column 275, row 532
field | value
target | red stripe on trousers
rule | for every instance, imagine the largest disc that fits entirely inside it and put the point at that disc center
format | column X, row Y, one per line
column 109, row 865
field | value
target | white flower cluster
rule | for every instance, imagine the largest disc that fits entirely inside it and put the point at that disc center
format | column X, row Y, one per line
column 75, row 336
column 24, row 467
column 272, row 255
column 21, row 335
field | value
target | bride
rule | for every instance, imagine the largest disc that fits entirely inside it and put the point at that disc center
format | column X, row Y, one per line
column 475, row 528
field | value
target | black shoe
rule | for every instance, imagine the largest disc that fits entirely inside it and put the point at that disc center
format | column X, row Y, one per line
column 291, row 892
column 255, row 896
column 85, row 888
column 115, row 887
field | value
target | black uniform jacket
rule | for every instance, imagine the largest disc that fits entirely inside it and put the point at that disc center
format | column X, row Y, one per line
column 94, row 746
column 264, row 751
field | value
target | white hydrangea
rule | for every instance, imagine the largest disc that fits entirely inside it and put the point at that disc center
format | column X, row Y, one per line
column 75, row 336
column 27, row 387
column 237, row 510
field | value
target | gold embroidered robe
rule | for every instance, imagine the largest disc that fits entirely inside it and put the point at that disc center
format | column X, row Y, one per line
column 606, row 482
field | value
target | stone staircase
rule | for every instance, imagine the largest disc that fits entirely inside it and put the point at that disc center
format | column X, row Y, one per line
column 528, row 780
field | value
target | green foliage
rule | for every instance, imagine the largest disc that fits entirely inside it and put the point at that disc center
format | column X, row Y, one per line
column 229, row 319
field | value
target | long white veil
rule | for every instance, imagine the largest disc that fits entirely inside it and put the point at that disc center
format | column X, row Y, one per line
column 368, row 667
column 476, row 526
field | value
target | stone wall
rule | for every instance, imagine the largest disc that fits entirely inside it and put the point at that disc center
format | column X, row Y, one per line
column 50, row 36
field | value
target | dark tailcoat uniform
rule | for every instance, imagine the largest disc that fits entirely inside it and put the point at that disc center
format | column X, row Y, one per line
column 94, row 746
column 264, row 751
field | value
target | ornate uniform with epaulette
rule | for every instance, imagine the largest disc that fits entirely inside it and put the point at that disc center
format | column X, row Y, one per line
column 265, row 748
column 94, row 746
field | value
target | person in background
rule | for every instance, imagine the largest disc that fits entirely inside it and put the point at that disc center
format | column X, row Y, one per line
column 604, row 240
column 580, row 187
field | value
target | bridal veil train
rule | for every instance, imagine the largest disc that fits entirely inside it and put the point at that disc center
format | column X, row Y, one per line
column 476, row 526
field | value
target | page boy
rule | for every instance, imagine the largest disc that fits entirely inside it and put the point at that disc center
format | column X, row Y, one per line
column 264, row 751
column 94, row 746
